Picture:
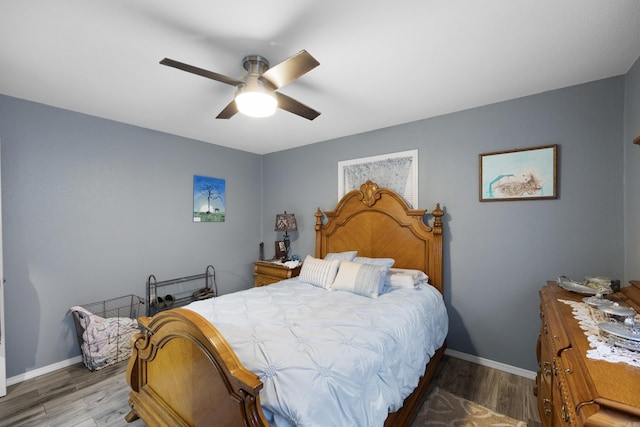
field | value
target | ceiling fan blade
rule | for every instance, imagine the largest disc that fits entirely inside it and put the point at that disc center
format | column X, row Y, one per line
column 201, row 72
column 296, row 107
column 229, row 111
column 290, row 69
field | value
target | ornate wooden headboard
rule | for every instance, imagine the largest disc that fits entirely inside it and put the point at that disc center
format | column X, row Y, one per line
column 378, row 223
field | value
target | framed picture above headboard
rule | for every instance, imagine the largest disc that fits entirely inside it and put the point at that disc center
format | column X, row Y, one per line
column 396, row 171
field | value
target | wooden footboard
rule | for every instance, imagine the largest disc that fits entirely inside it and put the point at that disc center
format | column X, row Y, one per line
column 183, row 373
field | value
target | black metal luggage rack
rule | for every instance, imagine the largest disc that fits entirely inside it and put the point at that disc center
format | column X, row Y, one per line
column 180, row 291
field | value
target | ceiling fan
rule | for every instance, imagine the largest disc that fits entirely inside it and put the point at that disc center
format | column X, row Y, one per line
column 256, row 94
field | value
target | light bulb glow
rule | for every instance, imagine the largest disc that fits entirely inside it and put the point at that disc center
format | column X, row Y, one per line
column 256, row 103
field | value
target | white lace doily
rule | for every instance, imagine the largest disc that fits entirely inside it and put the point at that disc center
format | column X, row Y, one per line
column 588, row 318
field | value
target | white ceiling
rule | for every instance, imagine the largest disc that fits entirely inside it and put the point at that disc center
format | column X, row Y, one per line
column 382, row 63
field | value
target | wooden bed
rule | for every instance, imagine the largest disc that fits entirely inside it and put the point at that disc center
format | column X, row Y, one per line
column 184, row 373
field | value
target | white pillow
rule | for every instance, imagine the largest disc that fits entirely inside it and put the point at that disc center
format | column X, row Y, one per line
column 361, row 279
column 348, row 256
column 385, row 262
column 401, row 277
column 399, row 280
column 318, row 272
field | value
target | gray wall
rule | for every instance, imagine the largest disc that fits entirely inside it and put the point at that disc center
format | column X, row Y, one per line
column 91, row 207
column 497, row 255
column 632, row 173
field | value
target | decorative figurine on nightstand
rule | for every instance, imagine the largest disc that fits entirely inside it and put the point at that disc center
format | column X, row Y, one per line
column 286, row 222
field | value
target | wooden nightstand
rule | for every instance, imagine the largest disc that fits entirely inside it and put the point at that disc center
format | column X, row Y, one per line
column 266, row 273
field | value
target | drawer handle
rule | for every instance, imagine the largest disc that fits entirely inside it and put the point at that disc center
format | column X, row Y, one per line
column 565, row 413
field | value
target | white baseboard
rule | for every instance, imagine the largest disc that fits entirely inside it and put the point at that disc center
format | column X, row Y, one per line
column 453, row 353
column 44, row 370
column 491, row 364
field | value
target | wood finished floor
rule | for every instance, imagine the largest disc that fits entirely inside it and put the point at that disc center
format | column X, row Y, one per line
column 74, row 396
column 500, row 391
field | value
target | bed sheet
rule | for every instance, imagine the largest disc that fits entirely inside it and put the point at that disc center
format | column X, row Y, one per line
column 330, row 358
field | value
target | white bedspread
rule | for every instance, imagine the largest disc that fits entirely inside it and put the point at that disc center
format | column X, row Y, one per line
column 330, row 358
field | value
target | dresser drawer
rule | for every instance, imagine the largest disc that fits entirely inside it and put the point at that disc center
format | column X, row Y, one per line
column 579, row 389
column 552, row 323
column 262, row 280
column 545, row 400
column 564, row 406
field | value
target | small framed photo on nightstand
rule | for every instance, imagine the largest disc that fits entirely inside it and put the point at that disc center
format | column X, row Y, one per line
column 280, row 250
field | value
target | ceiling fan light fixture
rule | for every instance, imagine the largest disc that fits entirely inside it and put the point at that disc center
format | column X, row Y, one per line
column 256, row 94
column 253, row 99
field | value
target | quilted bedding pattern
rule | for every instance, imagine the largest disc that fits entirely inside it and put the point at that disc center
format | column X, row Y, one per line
column 330, row 358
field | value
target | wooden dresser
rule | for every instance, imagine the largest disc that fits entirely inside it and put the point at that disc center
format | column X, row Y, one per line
column 266, row 273
column 573, row 390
